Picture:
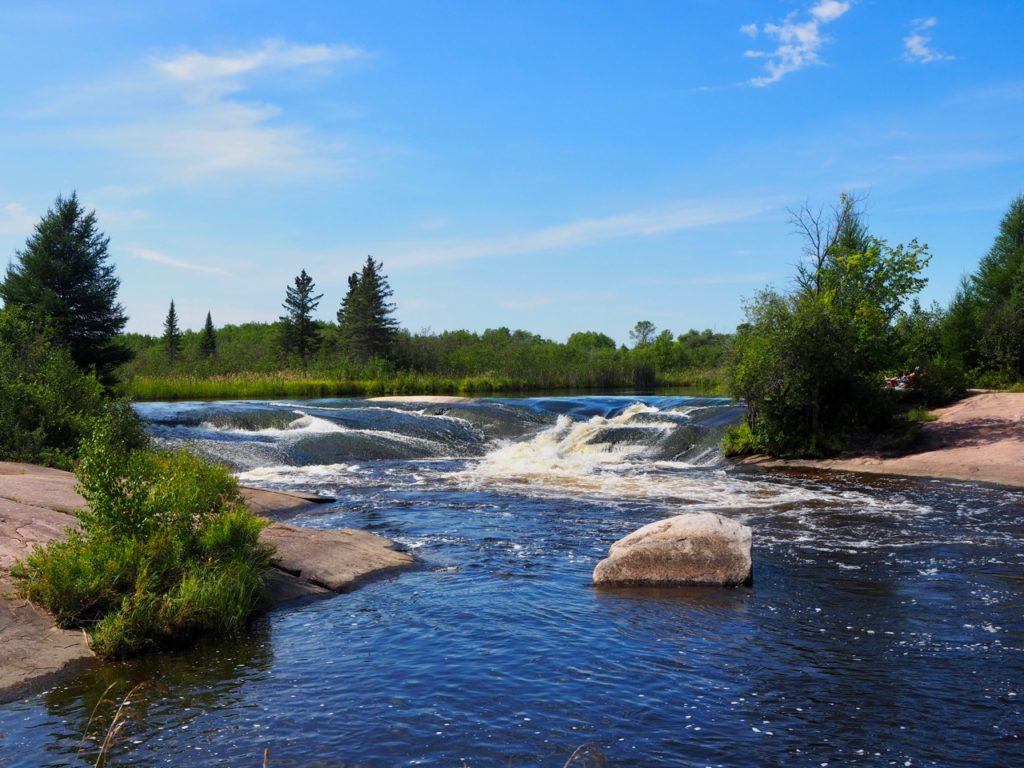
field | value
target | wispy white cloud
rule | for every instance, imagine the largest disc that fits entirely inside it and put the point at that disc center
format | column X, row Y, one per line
column 148, row 254
column 196, row 66
column 582, row 232
column 799, row 40
column 917, row 46
column 15, row 219
column 217, row 139
column 195, row 116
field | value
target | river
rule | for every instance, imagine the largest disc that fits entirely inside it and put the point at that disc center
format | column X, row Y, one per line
column 885, row 625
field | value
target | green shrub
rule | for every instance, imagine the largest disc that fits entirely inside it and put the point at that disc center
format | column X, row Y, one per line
column 943, row 382
column 739, row 441
column 46, row 403
column 167, row 550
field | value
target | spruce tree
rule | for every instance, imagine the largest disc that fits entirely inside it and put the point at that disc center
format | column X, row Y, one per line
column 365, row 316
column 208, row 340
column 62, row 275
column 1001, row 270
column 172, row 334
column 300, row 334
column 998, row 292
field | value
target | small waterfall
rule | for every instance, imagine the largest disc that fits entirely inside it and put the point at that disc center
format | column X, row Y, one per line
column 515, row 437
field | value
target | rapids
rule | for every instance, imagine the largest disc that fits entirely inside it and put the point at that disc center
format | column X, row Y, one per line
column 885, row 625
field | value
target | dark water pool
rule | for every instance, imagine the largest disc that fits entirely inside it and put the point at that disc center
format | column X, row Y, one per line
column 885, row 625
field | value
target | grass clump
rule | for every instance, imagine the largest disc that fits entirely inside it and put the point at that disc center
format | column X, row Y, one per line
column 167, row 550
column 919, row 414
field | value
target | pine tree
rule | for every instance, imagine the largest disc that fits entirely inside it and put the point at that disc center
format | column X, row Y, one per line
column 63, row 276
column 365, row 316
column 1002, row 269
column 172, row 334
column 208, row 340
column 300, row 333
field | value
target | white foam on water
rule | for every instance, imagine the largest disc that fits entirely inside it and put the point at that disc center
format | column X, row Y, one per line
column 306, row 425
column 291, row 475
column 568, row 449
column 301, row 426
column 569, row 459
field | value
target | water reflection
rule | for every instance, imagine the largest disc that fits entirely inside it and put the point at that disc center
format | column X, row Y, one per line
column 169, row 692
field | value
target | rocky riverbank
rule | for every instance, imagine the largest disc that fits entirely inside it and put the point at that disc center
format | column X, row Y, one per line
column 37, row 506
column 979, row 438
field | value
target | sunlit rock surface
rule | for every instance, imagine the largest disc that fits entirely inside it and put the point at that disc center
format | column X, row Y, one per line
column 700, row 548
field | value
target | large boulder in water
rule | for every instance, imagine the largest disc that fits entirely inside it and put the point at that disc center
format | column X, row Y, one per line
column 702, row 548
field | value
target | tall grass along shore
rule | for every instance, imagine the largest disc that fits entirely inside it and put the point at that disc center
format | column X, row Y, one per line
column 298, row 385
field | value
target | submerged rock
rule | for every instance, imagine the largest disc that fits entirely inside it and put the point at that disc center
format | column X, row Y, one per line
column 702, row 548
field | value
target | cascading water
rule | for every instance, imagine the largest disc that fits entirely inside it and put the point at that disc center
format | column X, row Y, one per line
column 884, row 626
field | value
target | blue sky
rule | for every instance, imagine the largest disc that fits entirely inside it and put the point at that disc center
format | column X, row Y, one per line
column 553, row 166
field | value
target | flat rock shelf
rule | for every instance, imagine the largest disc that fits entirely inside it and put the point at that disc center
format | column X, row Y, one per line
column 37, row 506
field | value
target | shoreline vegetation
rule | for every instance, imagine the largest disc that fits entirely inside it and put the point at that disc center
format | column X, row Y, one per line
column 847, row 357
column 297, row 384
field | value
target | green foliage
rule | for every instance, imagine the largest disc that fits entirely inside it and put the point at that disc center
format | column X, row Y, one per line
column 300, row 333
column 918, row 343
column 249, row 363
column 365, row 318
column 208, row 338
column 172, row 334
column 943, row 382
column 167, row 550
column 62, row 276
column 589, row 342
column 46, row 402
column 739, row 441
column 984, row 328
column 919, row 414
column 810, row 363
column 642, row 333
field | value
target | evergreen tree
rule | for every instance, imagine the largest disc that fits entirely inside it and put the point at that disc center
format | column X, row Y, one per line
column 984, row 327
column 172, row 334
column 1001, row 271
column 208, row 340
column 300, row 334
column 62, row 274
column 365, row 319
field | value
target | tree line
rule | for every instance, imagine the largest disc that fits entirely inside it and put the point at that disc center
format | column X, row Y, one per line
column 366, row 325
column 809, row 362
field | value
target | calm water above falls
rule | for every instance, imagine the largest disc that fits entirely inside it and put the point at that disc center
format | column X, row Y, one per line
column 885, row 625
